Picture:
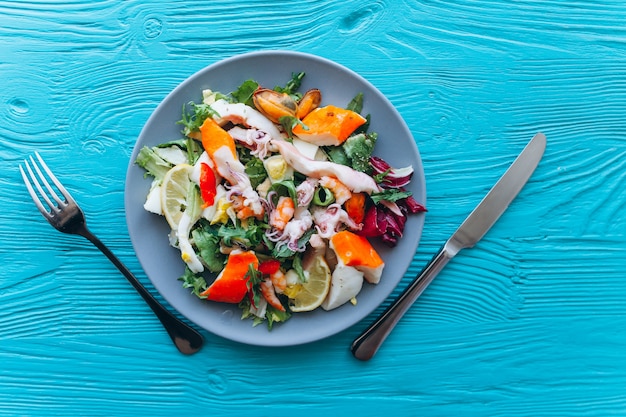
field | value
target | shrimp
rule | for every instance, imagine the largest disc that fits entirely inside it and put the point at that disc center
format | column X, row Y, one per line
column 280, row 216
column 245, row 211
column 279, row 281
column 339, row 190
column 268, row 292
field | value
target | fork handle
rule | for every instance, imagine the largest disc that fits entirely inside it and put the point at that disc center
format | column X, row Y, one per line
column 186, row 339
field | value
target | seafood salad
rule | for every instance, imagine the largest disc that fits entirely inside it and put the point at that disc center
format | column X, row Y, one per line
column 273, row 198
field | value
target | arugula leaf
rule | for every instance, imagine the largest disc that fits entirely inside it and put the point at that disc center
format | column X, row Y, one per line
column 243, row 93
column 379, row 178
column 256, row 171
column 197, row 283
column 292, row 85
column 337, row 155
column 253, row 282
column 208, row 245
column 289, row 122
column 390, row 194
column 274, row 315
column 281, row 250
column 356, row 104
column 192, row 121
column 248, row 237
column 296, row 265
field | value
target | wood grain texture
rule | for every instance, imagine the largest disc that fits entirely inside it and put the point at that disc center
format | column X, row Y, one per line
column 530, row 322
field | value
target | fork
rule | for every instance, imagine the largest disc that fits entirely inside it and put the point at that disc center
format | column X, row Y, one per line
column 67, row 217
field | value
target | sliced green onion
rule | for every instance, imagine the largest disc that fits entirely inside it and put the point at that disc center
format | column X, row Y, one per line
column 323, row 197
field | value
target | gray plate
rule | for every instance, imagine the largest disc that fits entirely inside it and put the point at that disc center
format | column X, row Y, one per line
column 148, row 232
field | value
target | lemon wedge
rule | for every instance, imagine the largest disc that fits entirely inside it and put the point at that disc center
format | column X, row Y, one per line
column 313, row 292
column 174, row 191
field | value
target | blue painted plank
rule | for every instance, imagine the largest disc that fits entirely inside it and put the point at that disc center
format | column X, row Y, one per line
column 527, row 323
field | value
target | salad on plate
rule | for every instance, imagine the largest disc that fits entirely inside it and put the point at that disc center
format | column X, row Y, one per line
column 272, row 199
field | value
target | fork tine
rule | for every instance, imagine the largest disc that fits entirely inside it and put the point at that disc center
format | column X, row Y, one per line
column 33, row 193
column 57, row 183
column 38, row 178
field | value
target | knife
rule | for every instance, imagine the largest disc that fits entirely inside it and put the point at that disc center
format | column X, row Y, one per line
column 467, row 235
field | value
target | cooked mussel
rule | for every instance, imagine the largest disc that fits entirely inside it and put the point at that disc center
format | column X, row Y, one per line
column 273, row 104
column 309, row 102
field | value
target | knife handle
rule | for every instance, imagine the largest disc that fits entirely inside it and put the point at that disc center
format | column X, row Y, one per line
column 367, row 344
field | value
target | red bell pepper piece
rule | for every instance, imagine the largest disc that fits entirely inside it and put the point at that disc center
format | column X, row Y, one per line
column 269, row 267
column 208, row 188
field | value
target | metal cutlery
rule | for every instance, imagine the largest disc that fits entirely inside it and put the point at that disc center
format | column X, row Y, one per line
column 66, row 216
column 467, row 235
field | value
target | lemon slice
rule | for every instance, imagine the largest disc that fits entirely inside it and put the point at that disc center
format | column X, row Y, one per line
column 174, row 191
column 312, row 293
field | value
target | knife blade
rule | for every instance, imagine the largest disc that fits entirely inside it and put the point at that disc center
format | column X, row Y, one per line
column 467, row 235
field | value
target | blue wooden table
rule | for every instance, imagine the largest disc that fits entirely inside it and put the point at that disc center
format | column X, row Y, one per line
column 530, row 322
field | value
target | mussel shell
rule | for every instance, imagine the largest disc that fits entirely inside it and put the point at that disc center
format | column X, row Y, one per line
column 309, row 102
column 273, row 104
